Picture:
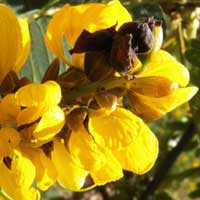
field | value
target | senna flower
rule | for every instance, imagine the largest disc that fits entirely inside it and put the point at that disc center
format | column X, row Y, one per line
column 155, row 89
column 39, row 118
column 114, row 141
column 115, row 138
column 34, row 107
column 83, row 158
column 15, row 44
column 127, row 136
column 161, row 87
column 66, row 23
column 17, row 175
column 45, row 171
column 9, row 109
column 74, row 179
column 9, row 140
column 40, row 107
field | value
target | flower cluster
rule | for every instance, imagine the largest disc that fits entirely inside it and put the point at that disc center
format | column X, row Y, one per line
column 73, row 129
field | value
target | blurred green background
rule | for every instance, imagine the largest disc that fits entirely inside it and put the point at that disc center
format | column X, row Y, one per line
column 176, row 174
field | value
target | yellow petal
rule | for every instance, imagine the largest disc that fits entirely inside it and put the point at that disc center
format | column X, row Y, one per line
column 140, row 156
column 11, row 40
column 27, row 138
column 50, row 124
column 9, row 109
column 45, row 170
column 46, row 173
column 17, row 180
column 25, row 48
column 69, row 175
column 29, row 115
column 55, row 32
column 153, row 108
column 30, row 194
column 116, row 130
column 23, row 170
column 85, row 152
column 111, row 171
column 158, row 38
column 163, row 64
column 9, row 139
column 10, row 185
column 153, row 86
column 35, row 94
column 96, row 16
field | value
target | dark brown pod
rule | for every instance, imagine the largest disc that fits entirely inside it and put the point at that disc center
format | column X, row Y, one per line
column 145, row 39
column 122, row 56
column 97, row 65
column 142, row 35
column 97, row 41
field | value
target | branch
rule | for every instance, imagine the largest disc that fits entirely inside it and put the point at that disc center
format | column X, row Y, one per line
column 166, row 165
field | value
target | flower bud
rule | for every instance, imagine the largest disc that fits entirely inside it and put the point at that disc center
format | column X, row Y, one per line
column 75, row 118
column 106, row 100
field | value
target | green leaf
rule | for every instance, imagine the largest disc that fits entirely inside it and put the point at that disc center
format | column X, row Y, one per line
column 148, row 10
column 195, row 194
column 194, row 102
column 39, row 57
column 192, row 53
column 195, row 43
column 193, row 56
column 164, row 195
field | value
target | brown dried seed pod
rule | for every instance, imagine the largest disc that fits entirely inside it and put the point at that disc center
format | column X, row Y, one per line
column 122, row 56
column 97, row 41
column 97, row 65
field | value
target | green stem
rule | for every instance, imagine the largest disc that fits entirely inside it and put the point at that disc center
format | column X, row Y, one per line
column 181, row 42
column 91, row 88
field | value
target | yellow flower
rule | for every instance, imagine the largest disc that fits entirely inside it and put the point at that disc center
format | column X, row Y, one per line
column 69, row 175
column 79, row 162
column 9, row 139
column 40, row 108
column 15, row 44
column 131, row 141
column 17, row 177
column 116, row 129
column 114, row 141
column 46, row 174
column 67, row 23
column 161, row 87
column 9, row 109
